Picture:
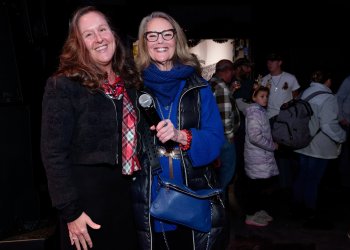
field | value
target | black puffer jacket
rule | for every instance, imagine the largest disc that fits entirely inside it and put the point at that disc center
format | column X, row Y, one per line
column 195, row 178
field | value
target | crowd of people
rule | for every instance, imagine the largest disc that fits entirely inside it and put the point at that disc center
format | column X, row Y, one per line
column 97, row 144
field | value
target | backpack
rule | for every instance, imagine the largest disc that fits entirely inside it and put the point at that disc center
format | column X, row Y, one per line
column 291, row 126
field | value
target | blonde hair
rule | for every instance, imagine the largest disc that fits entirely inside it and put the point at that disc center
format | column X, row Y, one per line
column 182, row 53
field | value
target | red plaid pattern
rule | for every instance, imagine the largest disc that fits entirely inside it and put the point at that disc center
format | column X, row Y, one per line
column 130, row 162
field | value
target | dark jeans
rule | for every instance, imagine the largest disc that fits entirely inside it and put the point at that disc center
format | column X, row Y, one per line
column 305, row 189
column 228, row 165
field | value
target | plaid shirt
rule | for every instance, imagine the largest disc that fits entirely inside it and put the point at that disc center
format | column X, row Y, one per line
column 227, row 107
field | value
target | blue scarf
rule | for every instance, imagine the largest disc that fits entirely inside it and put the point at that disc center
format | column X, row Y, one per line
column 165, row 84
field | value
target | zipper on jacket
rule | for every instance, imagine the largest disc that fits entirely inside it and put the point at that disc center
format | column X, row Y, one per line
column 116, row 118
column 181, row 153
column 138, row 121
column 178, row 125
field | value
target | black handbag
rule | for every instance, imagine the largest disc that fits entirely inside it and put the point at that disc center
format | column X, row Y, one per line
column 176, row 203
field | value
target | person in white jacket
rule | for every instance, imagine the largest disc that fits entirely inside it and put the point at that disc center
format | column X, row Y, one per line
column 283, row 86
column 325, row 145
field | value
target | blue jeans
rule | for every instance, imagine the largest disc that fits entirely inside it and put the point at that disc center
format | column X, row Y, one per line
column 228, row 164
column 311, row 170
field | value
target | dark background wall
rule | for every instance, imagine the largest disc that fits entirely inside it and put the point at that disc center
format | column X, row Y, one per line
column 34, row 31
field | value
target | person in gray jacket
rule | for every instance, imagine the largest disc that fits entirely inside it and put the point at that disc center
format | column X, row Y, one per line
column 325, row 145
column 343, row 96
column 259, row 161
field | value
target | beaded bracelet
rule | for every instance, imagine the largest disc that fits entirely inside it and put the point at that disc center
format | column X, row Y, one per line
column 189, row 140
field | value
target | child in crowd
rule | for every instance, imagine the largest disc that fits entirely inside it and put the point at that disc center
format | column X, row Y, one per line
column 260, row 165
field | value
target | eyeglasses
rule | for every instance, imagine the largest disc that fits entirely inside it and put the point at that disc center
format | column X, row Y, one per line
column 153, row 36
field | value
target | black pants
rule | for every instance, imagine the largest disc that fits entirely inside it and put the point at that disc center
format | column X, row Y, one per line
column 104, row 195
column 180, row 239
column 258, row 194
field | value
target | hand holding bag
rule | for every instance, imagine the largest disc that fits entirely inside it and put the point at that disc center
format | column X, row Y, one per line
column 179, row 204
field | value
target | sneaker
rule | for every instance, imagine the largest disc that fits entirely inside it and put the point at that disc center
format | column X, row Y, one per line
column 255, row 220
column 264, row 215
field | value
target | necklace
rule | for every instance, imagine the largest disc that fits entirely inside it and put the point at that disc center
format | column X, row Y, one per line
column 169, row 145
column 161, row 112
column 114, row 89
column 278, row 82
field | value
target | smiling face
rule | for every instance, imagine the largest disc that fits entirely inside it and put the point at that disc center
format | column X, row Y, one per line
column 98, row 39
column 161, row 51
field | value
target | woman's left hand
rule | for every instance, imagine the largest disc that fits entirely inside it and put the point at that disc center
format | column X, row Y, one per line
column 166, row 131
column 78, row 232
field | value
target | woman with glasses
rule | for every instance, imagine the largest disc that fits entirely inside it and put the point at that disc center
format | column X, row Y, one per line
column 187, row 139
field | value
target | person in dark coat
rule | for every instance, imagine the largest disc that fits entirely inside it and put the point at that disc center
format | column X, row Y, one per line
column 190, row 120
column 89, row 140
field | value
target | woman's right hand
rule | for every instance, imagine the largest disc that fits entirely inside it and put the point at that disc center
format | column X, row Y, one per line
column 78, row 231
